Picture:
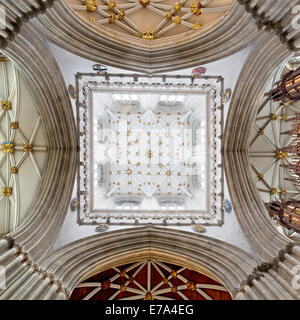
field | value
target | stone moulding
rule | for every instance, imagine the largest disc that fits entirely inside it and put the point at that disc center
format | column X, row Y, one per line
column 215, row 44
column 78, row 260
column 259, row 67
column 238, row 28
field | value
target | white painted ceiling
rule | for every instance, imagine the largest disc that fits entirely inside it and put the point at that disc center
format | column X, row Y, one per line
column 30, row 165
column 148, row 152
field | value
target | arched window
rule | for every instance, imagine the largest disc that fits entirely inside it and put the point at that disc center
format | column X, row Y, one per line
column 127, row 203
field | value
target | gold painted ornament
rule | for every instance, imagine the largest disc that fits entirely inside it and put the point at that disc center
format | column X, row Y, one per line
column 191, row 285
column 281, row 155
column 196, row 26
column 169, row 15
column 260, row 176
column 6, row 192
column 148, row 296
column 6, row 105
column 260, row 132
column 111, row 5
column 177, row 20
column 14, row 125
column 91, row 5
column 123, row 288
column 174, row 289
column 177, row 6
column 273, row 191
column 112, row 18
column 196, row 7
column 121, row 15
column 14, row 170
column 273, row 117
column 8, row 147
column 283, row 191
column 28, row 148
column 148, row 35
column 144, row 3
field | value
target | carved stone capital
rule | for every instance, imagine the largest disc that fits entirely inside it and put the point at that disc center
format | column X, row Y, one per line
column 19, row 250
column 249, row 280
column 264, row 267
column 24, row 19
column 289, row 247
column 44, row 275
column 275, row 263
column 35, row 268
column 281, row 255
column 51, row 278
column 28, row 263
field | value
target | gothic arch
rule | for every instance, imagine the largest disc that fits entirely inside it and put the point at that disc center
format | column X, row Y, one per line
column 36, row 62
column 80, row 259
column 234, row 32
column 259, row 67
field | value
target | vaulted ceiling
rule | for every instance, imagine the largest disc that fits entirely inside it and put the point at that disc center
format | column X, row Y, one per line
column 122, row 44
column 266, row 144
column 150, row 280
column 164, row 21
column 23, row 153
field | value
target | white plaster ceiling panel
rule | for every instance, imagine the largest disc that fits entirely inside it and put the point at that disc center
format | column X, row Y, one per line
column 147, row 159
column 23, row 151
column 150, row 150
column 151, row 19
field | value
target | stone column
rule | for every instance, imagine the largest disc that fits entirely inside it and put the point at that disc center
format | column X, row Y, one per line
column 7, row 255
column 51, row 293
column 11, row 291
column 43, row 285
column 3, row 245
column 274, row 280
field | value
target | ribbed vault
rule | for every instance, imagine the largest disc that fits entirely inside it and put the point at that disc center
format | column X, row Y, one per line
column 150, row 280
column 261, row 64
column 237, row 29
column 70, row 264
column 33, row 58
column 267, row 161
column 23, row 150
